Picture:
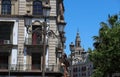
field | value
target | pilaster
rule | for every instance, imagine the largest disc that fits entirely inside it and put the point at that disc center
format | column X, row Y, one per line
column 52, row 44
column 22, row 7
column 20, row 55
column 53, row 8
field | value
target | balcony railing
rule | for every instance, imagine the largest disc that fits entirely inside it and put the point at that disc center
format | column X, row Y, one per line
column 29, row 67
column 30, row 41
column 4, row 42
column 3, row 66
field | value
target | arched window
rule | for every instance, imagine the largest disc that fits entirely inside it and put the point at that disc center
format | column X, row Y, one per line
column 6, row 7
column 37, row 7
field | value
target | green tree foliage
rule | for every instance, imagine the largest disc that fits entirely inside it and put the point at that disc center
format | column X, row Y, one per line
column 106, row 53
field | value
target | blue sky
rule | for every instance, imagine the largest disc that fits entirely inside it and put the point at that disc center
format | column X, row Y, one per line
column 85, row 16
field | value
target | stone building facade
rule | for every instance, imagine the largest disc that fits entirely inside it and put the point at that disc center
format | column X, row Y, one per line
column 20, row 51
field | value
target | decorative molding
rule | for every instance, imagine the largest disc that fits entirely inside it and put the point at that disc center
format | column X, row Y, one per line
column 22, row 16
column 29, row 4
column 36, row 22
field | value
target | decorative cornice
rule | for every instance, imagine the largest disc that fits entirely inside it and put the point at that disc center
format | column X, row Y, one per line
column 22, row 16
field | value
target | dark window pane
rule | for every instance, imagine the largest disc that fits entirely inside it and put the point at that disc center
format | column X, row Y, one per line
column 37, row 8
column 6, row 7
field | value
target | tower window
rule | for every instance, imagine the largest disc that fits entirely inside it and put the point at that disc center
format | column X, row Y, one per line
column 37, row 7
column 78, row 44
column 6, row 7
column 79, row 52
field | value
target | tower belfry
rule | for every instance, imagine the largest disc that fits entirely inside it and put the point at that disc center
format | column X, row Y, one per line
column 77, row 40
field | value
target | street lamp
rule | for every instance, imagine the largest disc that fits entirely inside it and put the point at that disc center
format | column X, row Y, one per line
column 59, row 53
column 28, row 23
column 72, row 49
column 61, row 26
column 63, row 61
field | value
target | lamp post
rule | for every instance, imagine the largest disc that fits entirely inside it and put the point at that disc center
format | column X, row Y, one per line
column 72, row 49
column 46, row 12
column 64, row 61
column 62, row 57
column 61, row 26
column 28, row 23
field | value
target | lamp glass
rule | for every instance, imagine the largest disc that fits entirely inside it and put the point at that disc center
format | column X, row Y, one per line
column 61, row 27
column 59, row 53
column 46, row 11
column 27, row 21
column 72, row 46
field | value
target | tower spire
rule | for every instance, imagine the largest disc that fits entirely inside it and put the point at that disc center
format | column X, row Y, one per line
column 77, row 30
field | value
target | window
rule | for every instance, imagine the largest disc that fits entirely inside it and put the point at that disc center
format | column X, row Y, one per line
column 37, row 7
column 6, row 7
column 78, row 44
column 79, row 52
column 79, row 69
column 83, row 68
column 83, row 74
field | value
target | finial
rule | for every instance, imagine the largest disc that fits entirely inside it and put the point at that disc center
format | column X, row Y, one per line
column 77, row 30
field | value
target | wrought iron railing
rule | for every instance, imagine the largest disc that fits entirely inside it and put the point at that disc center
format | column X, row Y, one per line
column 29, row 67
column 30, row 41
column 3, row 66
column 3, row 42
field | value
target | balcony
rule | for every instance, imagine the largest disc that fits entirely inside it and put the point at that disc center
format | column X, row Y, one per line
column 29, row 67
column 30, row 41
column 13, row 69
column 5, row 45
column 34, row 45
column 5, row 42
column 3, row 66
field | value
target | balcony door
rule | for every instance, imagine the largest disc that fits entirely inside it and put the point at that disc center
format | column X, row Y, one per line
column 3, row 61
column 36, row 35
column 36, row 61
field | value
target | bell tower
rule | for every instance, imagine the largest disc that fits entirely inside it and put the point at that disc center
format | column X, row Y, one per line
column 77, row 40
